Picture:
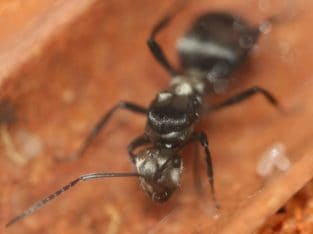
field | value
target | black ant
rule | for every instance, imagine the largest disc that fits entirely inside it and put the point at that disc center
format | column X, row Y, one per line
column 216, row 45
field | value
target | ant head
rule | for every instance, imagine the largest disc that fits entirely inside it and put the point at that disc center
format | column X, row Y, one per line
column 160, row 171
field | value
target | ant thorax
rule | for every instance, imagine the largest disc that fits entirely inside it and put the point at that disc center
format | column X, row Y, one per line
column 173, row 113
column 160, row 172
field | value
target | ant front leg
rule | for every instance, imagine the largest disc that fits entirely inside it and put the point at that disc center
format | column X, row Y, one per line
column 202, row 138
column 196, row 173
column 244, row 96
column 103, row 122
column 154, row 46
column 137, row 142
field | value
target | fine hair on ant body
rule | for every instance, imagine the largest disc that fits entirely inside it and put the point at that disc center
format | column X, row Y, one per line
column 209, row 52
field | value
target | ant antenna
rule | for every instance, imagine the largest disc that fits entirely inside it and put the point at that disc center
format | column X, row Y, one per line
column 47, row 199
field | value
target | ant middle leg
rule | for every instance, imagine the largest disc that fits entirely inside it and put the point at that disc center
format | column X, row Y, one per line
column 244, row 96
column 103, row 122
column 154, row 46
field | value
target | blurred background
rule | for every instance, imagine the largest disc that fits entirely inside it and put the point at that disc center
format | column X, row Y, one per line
column 63, row 64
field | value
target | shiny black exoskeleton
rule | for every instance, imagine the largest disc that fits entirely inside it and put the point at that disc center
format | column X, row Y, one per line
column 216, row 44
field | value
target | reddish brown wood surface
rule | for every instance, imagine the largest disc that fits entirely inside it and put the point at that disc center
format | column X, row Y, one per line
column 25, row 27
column 82, row 69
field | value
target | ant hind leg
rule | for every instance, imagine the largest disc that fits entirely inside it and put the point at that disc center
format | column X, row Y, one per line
column 154, row 46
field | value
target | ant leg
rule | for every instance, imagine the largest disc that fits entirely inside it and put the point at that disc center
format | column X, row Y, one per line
column 196, row 173
column 202, row 138
column 102, row 123
column 154, row 45
column 47, row 199
column 243, row 96
column 139, row 141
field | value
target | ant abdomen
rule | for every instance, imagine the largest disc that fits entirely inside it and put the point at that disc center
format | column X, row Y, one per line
column 216, row 44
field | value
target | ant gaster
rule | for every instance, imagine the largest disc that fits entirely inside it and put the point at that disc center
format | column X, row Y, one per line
column 216, row 44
